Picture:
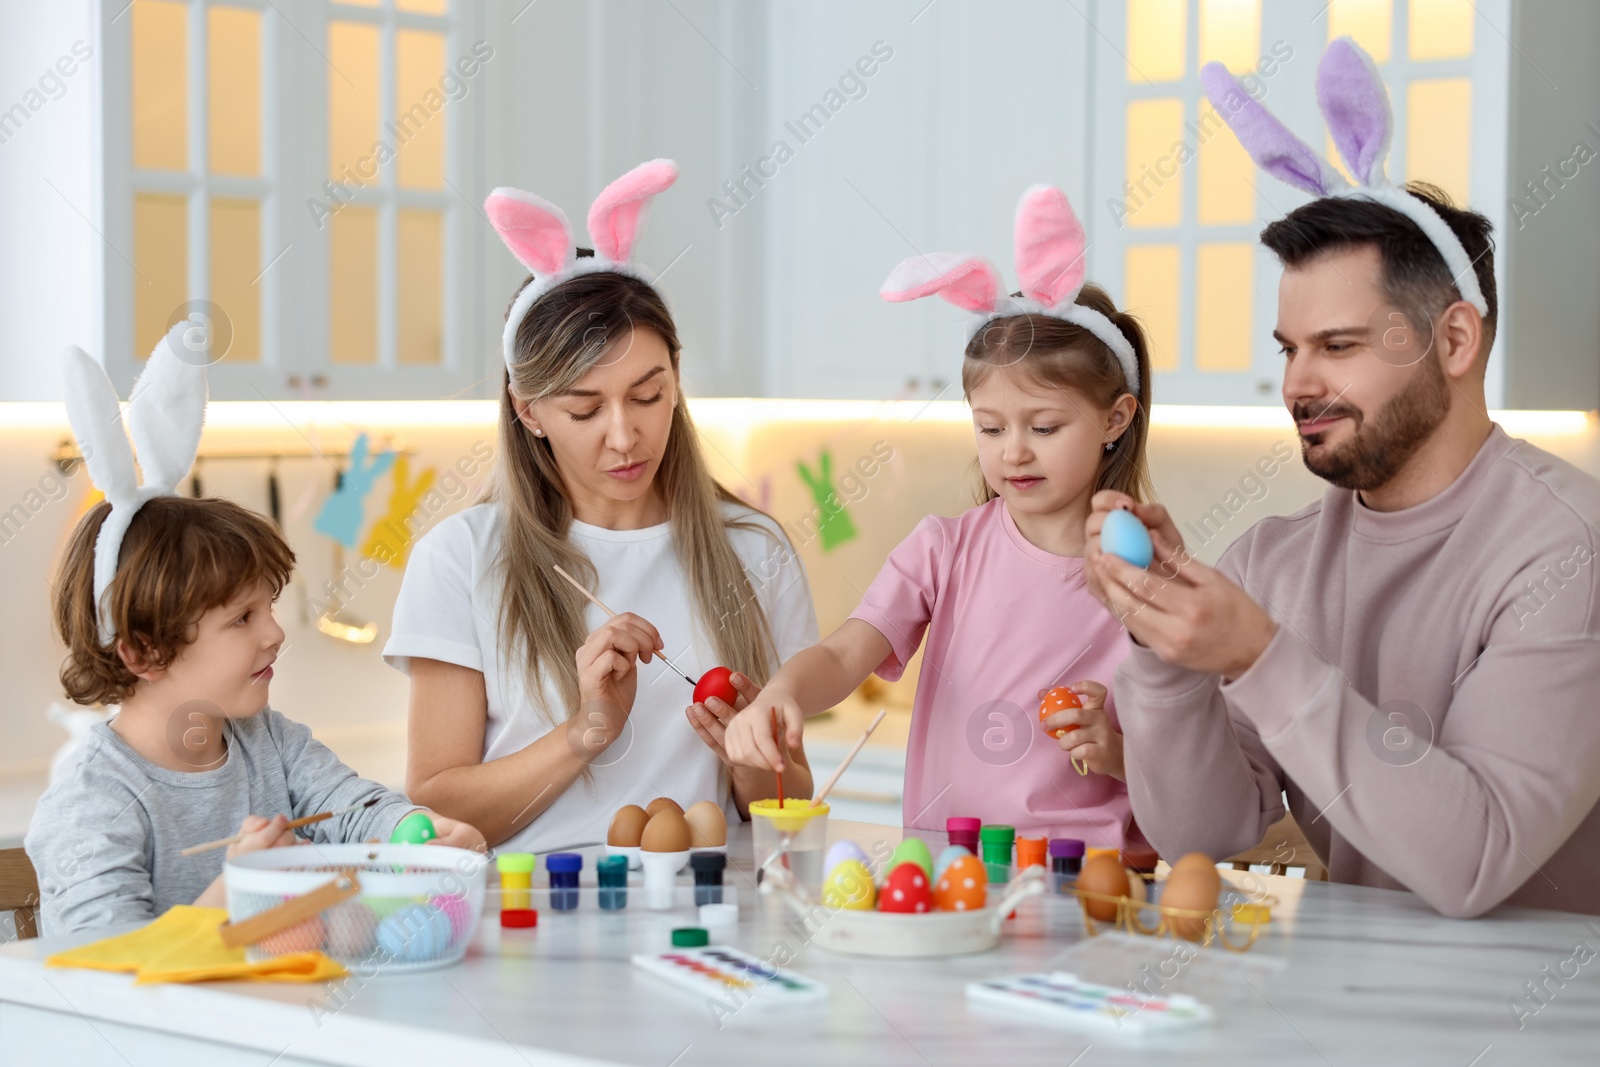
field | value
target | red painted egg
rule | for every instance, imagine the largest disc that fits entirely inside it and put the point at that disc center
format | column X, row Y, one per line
column 715, row 683
column 1058, row 699
column 906, row 890
column 962, row 886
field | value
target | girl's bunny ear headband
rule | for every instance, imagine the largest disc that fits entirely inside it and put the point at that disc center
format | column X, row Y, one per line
column 1355, row 105
column 538, row 234
column 165, row 414
column 1050, row 246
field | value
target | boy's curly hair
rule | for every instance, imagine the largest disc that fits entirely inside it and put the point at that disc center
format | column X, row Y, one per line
column 180, row 558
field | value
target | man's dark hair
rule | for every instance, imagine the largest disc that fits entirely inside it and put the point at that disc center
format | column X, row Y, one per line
column 1415, row 278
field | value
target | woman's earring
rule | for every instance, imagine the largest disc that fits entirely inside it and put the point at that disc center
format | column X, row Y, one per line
column 540, row 433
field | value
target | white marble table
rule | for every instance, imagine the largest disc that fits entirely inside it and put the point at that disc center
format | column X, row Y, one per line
column 1362, row 977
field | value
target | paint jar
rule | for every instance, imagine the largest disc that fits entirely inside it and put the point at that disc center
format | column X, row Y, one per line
column 563, row 868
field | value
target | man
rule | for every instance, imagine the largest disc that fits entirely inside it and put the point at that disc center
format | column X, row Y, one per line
column 1415, row 659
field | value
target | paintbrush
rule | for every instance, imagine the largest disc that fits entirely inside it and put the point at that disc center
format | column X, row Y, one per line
column 294, row 824
column 597, row 602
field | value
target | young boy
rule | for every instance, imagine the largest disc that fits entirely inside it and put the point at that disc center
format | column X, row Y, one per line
column 194, row 754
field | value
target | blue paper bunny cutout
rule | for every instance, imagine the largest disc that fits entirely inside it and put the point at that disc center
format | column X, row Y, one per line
column 341, row 515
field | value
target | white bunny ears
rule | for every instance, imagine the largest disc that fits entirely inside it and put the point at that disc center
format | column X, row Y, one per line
column 165, row 414
column 1355, row 105
column 1050, row 246
column 538, row 234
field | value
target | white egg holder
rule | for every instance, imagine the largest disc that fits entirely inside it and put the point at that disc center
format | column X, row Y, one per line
column 635, row 854
column 391, row 877
column 896, row 934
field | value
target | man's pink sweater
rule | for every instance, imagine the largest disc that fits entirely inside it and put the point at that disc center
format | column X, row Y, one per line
column 1430, row 705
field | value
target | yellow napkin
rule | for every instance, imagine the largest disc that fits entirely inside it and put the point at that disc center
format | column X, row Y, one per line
column 184, row 945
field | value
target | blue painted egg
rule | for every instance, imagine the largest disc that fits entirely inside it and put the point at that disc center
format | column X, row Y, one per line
column 415, row 934
column 950, row 854
column 1124, row 535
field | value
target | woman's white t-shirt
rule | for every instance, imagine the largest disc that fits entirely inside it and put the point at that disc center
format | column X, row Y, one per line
column 449, row 610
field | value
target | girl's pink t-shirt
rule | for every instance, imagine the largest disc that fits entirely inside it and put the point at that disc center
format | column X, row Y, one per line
column 1005, row 621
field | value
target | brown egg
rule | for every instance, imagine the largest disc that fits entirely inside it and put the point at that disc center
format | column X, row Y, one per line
column 1193, row 884
column 627, row 826
column 708, row 827
column 660, row 803
column 665, row 832
column 1102, row 874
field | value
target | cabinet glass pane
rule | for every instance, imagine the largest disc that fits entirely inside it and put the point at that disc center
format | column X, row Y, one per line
column 425, row 7
column 1154, row 174
column 1150, row 284
column 353, row 285
column 1230, row 33
column 419, row 109
column 160, row 266
column 235, row 263
column 1156, row 39
column 160, row 46
column 1227, row 174
column 1440, row 29
column 233, row 72
column 1224, row 281
column 419, row 280
column 1439, row 134
column 353, row 102
column 1368, row 22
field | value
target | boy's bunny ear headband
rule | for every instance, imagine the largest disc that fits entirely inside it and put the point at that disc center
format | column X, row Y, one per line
column 1355, row 105
column 538, row 234
column 1050, row 246
column 165, row 414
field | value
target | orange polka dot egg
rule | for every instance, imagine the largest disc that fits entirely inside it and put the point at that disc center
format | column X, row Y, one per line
column 963, row 886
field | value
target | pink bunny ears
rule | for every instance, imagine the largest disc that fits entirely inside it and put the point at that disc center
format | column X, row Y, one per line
column 166, row 413
column 1355, row 105
column 538, row 234
column 1050, row 247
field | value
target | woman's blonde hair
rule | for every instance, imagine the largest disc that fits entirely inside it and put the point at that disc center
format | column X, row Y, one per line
column 1061, row 354
column 541, row 617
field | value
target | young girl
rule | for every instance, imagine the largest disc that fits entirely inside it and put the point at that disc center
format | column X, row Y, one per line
column 165, row 605
column 1059, row 386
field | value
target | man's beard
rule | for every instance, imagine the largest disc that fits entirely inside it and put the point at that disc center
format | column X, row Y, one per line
column 1377, row 452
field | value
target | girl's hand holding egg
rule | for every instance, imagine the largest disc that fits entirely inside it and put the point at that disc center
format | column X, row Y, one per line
column 457, row 834
column 1084, row 731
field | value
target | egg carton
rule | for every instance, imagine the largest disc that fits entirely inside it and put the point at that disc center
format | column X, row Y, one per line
column 404, row 907
column 1235, row 923
column 879, row 933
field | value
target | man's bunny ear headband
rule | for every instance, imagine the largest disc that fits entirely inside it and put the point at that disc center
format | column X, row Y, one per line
column 538, row 234
column 1050, row 246
column 1355, row 105
column 165, row 414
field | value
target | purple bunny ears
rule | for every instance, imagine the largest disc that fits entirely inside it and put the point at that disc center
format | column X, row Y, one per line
column 1355, row 105
column 539, row 235
column 1050, row 247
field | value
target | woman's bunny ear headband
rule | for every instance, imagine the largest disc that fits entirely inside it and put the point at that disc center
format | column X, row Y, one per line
column 1050, row 246
column 1355, row 105
column 165, row 414
column 538, row 234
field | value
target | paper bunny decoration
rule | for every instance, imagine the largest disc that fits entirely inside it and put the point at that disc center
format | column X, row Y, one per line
column 1050, row 246
column 836, row 525
column 1355, row 105
column 389, row 540
column 538, row 234
column 340, row 517
column 166, row 413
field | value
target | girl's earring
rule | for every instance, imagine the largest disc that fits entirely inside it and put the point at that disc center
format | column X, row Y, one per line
column 1109, row 444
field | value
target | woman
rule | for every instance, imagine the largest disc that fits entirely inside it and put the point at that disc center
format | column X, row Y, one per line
column 534, row 716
